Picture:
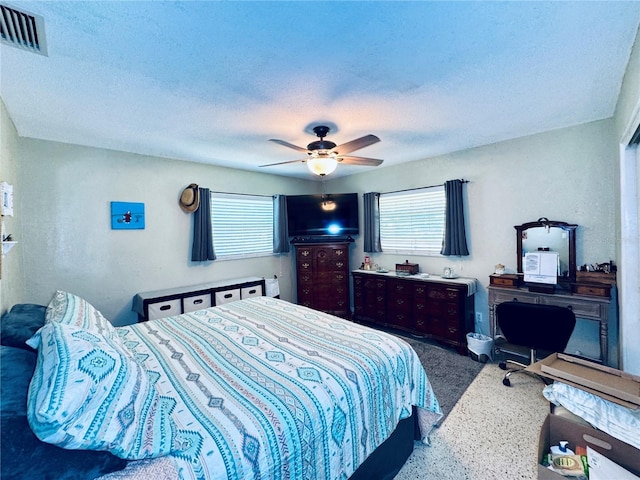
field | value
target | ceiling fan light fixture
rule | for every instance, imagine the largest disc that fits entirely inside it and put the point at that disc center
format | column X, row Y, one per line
column 323, row 155
column 322, row 165
column 328, row 205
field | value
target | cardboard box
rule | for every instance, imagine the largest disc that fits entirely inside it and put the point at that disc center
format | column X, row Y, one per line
column 609, row 383
column 557, row 428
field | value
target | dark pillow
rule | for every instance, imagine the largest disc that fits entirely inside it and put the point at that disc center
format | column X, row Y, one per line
column 19, row 325
column 23, row 455
column 16, row 370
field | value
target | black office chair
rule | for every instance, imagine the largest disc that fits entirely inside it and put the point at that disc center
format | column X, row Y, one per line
column 532, row 327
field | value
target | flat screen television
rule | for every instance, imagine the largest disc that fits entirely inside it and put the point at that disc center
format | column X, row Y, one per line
column 332, row 214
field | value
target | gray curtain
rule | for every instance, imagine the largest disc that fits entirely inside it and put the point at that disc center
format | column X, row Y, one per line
column 455, row 239
column 372, row 223
column 280, row 231
column 202, row 250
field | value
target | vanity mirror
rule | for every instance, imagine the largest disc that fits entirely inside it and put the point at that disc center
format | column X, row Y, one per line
column 552, row 236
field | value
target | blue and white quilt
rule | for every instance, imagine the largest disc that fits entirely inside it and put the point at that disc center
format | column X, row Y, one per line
column 265, row 389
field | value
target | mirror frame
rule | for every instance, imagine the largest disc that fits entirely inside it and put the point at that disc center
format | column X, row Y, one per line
column 544, row 222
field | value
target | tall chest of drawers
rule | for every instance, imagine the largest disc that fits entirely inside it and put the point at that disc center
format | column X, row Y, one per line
column 322, row 275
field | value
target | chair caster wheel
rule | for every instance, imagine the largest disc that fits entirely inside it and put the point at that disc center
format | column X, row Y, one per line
column 506, row 382
column 503, row 365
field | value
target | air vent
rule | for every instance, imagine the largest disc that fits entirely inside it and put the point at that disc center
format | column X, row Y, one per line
column 22, row 30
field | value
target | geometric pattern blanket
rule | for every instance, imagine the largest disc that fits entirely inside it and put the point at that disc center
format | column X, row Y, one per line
column 266, row 389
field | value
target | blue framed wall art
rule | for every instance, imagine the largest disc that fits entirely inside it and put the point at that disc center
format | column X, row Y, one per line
column 127, row 216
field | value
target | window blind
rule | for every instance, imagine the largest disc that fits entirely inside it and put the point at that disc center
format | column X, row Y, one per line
column 242, row 225
column 413, row 221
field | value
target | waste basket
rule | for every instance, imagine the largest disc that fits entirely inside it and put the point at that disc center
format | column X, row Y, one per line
column 480, row 347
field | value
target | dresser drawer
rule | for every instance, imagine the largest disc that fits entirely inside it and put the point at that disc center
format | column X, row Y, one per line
column 400, row 318
column 401, row 302
column 420, row 292
column 510, row 296
column 196, row 302
column 447, row 294
column 444, row 310
column 399, row 287
column 580, row 309
column 379, row 285
column 226, row 296
column 165, row 308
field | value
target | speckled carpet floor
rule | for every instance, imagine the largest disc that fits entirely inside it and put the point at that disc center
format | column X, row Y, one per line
column 490, row 434
column 450, row 373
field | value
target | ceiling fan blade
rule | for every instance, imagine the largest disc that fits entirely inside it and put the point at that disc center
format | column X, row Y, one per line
column 283, row 163
column 356, row 144
column 290, row 145
column 369, row 162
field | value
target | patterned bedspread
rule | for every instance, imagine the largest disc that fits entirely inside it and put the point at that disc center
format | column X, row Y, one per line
column 271, row 390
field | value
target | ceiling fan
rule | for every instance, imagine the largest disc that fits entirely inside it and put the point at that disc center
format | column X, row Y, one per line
column 323, row 155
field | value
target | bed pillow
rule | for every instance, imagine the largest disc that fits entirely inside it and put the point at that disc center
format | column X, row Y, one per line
column 618, row 421
column 88, row 392
column 23, row 455
column 70, row 309
column 18, row 325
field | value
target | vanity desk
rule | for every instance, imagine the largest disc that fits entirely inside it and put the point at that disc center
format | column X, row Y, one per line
column 593, row 308
column 590, row 300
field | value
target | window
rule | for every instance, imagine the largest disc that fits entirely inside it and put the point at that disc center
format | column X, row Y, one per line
column 242, row 225
column 413, row 221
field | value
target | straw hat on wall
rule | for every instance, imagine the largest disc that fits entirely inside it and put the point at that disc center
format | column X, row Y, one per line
column 190, row 198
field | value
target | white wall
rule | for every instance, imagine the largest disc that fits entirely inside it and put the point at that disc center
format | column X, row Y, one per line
column 627, row 120
column 68, row 244
column 567, row 175
column 12, row 285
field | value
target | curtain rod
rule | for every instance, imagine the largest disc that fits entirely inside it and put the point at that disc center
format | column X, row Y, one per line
column 429, row 186
column 394, row 191
column 246, row 194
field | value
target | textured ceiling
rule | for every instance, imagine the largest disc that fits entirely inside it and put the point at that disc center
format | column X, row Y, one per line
column 212, row 81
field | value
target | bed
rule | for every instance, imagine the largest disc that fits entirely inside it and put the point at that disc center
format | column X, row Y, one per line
column 259, row 388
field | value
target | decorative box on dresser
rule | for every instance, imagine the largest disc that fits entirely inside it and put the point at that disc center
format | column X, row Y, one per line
column 433, row 307
column 601, row 309
column 322, row 276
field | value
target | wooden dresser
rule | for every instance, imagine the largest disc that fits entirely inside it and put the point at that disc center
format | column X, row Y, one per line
column 322, row 276
column 437, row 308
